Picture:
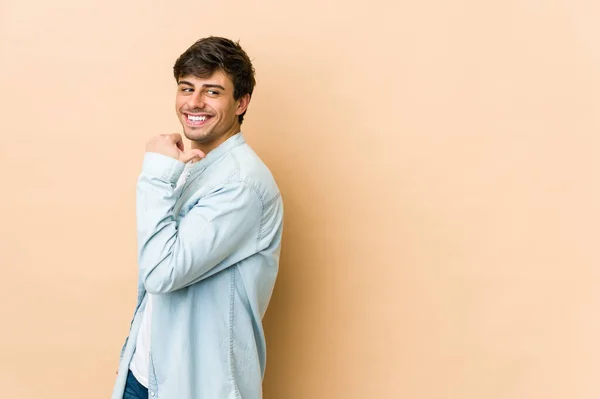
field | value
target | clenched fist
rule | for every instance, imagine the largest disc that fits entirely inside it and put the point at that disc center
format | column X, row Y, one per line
column 171, row 145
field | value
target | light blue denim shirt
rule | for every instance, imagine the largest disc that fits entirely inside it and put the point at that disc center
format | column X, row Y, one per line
column 208, row 251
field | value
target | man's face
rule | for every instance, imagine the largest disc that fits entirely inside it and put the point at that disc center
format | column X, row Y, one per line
column 206, row 108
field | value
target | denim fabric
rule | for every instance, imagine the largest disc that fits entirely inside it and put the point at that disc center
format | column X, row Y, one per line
column 133, row 389
column 208, row 249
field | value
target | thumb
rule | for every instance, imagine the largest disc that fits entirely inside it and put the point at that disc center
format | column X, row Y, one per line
column 187, row 156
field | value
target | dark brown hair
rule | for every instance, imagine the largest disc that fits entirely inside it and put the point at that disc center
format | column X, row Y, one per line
column 211, row 54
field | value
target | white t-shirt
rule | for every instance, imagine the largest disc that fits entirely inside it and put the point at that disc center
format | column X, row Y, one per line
column 141, row 357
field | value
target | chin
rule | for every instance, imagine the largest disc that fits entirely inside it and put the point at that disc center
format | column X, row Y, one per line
column 197, row 136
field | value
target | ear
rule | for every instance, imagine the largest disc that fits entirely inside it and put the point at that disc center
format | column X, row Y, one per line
column 243, row 102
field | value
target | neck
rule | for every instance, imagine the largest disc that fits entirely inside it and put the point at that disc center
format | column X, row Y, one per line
column 207, row 147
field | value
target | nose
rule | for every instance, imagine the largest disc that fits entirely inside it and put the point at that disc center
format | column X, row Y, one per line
column 196, row 101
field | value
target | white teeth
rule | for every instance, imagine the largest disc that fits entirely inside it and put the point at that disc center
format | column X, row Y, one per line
column 196, row 118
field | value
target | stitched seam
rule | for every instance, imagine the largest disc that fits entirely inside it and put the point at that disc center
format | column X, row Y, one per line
column 275, row 198
column 237, row 165
column 263, row 221
column 231, row 320
column 154, row 374
column 262, row 210
column 237, row 171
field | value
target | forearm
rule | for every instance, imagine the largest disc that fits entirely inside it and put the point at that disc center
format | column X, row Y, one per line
column 155, row 202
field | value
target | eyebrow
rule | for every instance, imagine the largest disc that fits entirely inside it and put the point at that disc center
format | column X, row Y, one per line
column 207, row 85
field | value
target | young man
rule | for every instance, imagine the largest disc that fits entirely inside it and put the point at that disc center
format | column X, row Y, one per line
column 209, row 224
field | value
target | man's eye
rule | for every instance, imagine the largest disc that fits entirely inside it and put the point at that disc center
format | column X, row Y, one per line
column 213, row 92
column 187, row 89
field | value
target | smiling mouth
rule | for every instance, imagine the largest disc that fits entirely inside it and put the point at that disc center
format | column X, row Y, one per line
column 197, row 120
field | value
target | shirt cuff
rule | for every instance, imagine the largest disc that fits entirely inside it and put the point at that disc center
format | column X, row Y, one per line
column 162, row 167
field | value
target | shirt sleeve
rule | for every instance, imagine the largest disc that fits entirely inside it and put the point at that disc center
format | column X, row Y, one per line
column 219, row 231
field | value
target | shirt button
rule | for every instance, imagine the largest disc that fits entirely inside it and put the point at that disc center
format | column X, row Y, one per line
column 152, row 394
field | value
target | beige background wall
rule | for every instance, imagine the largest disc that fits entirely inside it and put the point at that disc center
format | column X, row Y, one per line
column 438, row 161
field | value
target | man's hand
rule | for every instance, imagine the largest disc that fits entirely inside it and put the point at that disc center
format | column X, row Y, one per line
column 171, row 145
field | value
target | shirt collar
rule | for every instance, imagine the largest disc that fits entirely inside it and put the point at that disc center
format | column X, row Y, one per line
column 223, row 149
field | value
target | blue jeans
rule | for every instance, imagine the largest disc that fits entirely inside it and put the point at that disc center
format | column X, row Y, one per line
column 133, row 389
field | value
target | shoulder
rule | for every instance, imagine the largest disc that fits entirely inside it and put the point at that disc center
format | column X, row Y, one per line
column 243, row 166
